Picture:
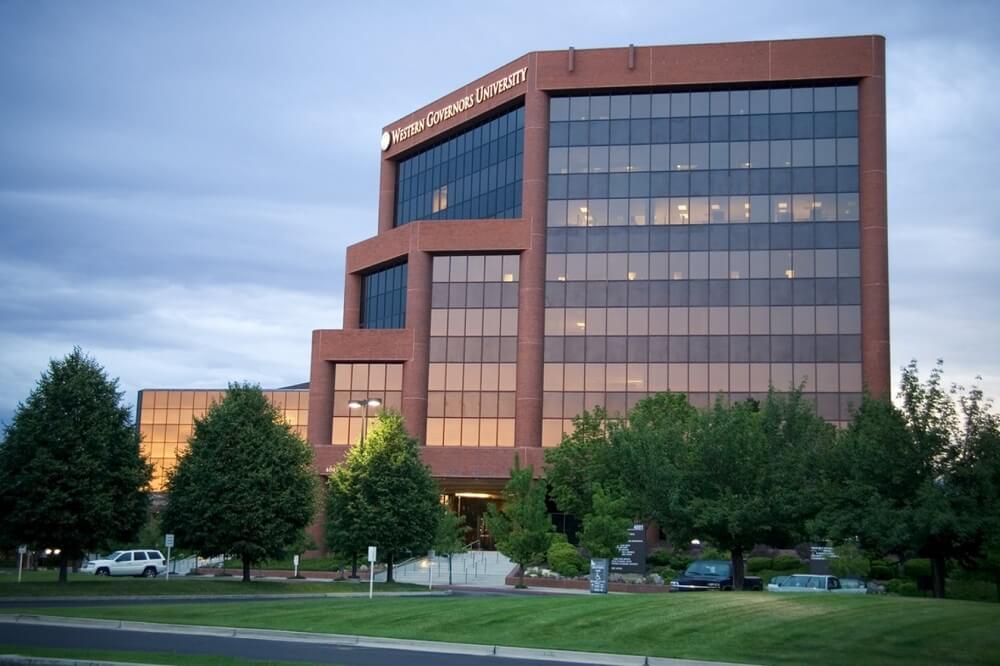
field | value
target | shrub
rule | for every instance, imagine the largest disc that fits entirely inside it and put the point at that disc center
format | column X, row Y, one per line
column 785, row 563
column 667, row 573
column 659, row 558
column 758, row 564
column 904, row 588
column 917, row 567
column 565, row 560
column 712, row 553
column 680, row 561
column 882, row 570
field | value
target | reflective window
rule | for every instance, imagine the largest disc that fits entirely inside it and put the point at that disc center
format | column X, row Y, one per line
column 166, row 421
column 712, row 246
column 383, row 298
column 473, row 175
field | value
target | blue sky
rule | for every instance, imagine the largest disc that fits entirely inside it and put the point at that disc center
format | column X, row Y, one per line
column 178, row 181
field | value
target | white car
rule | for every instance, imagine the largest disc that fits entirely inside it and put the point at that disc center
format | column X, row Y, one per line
column 145, row 563
column 805, row 583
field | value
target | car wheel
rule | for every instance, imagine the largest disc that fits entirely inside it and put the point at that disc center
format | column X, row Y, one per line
column 149, row 572
column 103, row 571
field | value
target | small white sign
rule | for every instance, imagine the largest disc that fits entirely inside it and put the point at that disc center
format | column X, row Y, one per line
column 22, row 550
column 170, row 540
column 295, row 560
column 372, row 553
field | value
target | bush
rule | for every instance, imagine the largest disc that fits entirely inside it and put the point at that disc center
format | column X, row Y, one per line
column 667, row 573
column 904, row 588
column 712, row 553
column 785, row 563
column 882, row 571
column 680, row 561
column 565, row 560
column 917, row 567
column 659, row 558
column 758, row 564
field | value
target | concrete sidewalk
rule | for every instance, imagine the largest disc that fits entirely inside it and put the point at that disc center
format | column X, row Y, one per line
column 361, row 641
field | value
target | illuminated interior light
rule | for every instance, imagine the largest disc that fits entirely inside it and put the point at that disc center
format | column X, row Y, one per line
column 583, row 209
column 789, row 273
column 561, row 278
column 782, row 205
column 581, row 324
column 476, row 495
column 631, row 275
column 508, row 277
column 682, row 207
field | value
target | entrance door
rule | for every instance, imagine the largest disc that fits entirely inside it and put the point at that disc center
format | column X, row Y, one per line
column 474, row 511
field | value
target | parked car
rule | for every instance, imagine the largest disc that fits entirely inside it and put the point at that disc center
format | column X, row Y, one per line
column 853, row 586
column 146, row 563
column 775, row 583
column 704, row 575
column 817, row 583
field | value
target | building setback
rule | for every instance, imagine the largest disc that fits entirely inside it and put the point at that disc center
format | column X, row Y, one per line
column 588, row 227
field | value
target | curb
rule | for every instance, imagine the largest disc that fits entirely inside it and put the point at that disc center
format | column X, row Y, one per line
column 541, row 654
column 12, row 659
column 224, row 597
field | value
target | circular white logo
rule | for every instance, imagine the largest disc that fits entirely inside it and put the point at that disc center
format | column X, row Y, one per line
column 386, row 140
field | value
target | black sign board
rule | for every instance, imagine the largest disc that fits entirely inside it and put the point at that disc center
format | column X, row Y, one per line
column 631, row 558
column 598, row 576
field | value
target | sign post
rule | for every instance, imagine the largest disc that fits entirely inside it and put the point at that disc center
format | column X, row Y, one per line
column 372, row 556
column 598, row 575
column 295, row 563
column 21, row 550
column 430, row 569
column 631, row 557
column 169, row 540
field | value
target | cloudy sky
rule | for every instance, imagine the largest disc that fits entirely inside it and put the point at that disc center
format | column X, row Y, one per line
column 178, row 181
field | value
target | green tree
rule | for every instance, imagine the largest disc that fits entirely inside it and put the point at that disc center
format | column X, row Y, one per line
column 450, row 537
column 914, row 480
column 745, row 472
column 245, row 485
column 849, row 561
column 522, row 529
column 346, row 513
column 582, row 459
column 71, row 473
column 606, row 527
column 388, row 497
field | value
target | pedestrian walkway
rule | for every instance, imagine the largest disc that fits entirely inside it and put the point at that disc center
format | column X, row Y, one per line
column 477, row 568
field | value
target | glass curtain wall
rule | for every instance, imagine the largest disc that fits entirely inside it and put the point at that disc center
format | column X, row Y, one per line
column 473, row 175
column 472, row 375
column 702, row 242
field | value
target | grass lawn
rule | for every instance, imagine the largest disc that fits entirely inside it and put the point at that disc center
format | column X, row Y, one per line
column 44, row 584
column 136, row 657
column 744, row 627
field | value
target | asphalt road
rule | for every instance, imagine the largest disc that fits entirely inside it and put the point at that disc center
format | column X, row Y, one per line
column 240, row 648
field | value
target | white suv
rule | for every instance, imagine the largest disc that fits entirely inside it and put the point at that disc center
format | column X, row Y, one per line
column 146, row 563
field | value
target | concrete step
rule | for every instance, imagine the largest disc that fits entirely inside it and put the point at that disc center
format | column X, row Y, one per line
column 479, row 568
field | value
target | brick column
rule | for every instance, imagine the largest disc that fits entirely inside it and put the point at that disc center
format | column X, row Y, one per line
column 352, row 301
column 876, row 369
column 320, row 428
column 531, row 314
column 418, row 319
column 386, row 195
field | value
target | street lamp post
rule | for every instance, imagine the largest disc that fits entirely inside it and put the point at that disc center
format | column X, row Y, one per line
column 362, row 404
column 366, row 403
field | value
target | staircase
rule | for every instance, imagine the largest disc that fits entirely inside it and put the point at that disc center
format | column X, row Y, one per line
column 478, row 568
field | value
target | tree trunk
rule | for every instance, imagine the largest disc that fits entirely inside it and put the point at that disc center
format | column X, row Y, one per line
column 388, row 569
column 998, row 585
column 449, row 574
column 520, row 574
column 246, row 570
column 736, row 560
column 938, row 575
column 354, row 566
column 63, row 577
